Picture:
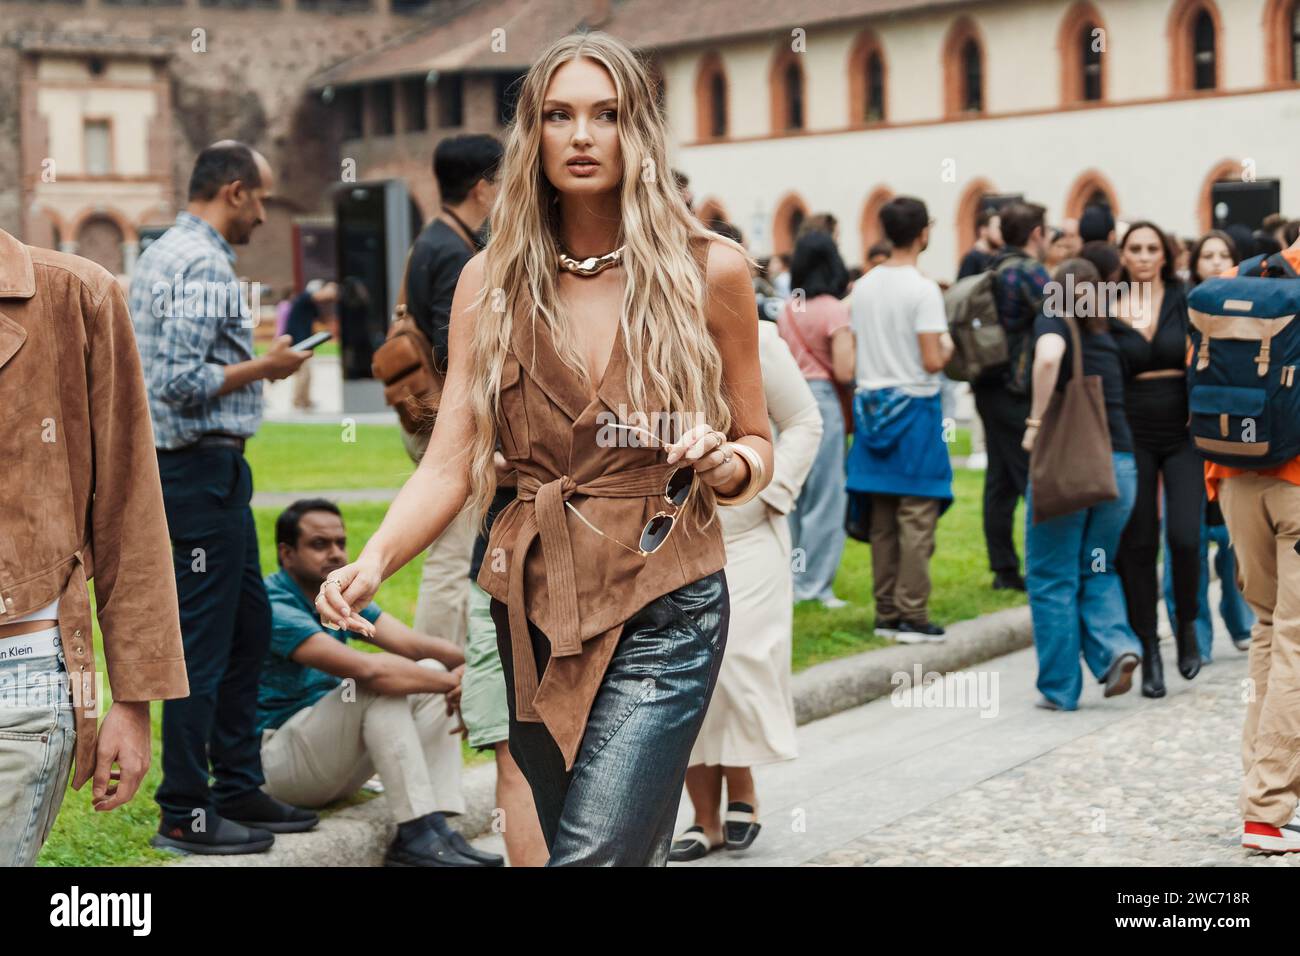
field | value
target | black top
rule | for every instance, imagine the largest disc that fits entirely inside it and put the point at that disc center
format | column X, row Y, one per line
column 974, row 262
column 438, row 256
column 504, row 495
column 303, row 312
column 1101, row 357
column 1167, row 348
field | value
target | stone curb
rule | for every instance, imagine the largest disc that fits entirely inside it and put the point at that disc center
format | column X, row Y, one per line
column 358, row 835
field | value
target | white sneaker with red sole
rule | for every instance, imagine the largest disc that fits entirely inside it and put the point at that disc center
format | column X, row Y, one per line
column 1268, row 839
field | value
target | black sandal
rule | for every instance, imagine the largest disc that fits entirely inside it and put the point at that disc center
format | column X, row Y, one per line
column 741, row 826
column 694, row 844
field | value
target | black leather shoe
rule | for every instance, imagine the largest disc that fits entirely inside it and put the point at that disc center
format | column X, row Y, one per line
column 1008, row 581
column 462, row 846
column 261, row 810
column 423, row 847
column 1153, row 669
column 218, row 837
column 1119, row 678
column 1189, row 651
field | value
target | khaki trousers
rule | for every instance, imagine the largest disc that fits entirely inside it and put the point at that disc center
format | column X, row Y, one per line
column 1263, row 518
column 327, row 751
column 902, row 541
column 442, row 608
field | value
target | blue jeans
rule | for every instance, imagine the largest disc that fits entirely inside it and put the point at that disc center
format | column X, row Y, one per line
column 618, row 805
column 817, row 521
column 1076, row 599
column 37, row 739
column 1232, row 606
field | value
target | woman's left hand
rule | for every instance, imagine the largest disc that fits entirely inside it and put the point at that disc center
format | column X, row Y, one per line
column 1031, row 433
column 706, row 450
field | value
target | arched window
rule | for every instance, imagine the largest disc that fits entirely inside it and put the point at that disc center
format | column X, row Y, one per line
column 869, row 226
column 794, row 96
column 1194, row 46
column 717, row 105
column 711, row 98
column 786, row 85
column 789, row 216
column 1091, row 58
column 1203, row 55
column 972, row 71
column 875, row 88
column 867, row 73
column 1090, row 189
column 963, row 64
column 1081, row 44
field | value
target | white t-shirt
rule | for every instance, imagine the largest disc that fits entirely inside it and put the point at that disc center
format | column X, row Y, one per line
column 890, row 306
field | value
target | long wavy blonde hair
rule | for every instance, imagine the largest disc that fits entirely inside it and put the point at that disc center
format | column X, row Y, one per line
column 662, row 315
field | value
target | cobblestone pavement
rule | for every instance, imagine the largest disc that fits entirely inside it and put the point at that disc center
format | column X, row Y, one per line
column 1156, row 787
column 992, row 780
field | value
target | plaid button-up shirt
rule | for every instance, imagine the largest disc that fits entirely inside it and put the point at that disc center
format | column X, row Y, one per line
column 192, row 318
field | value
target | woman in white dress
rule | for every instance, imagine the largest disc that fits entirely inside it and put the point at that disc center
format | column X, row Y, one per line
column 750, row 720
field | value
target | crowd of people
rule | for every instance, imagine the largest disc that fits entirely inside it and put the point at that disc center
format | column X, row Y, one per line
column 270, row 713
column 1091, row 574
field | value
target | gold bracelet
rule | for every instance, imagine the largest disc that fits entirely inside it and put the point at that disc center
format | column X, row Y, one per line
column 1033, row 422
column 755, row 482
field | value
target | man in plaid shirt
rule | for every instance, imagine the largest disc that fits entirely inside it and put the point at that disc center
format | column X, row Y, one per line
column 194, row 331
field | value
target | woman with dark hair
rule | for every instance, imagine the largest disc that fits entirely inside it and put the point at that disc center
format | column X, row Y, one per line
column 1077, row 605
column 815, row 324
column 1151, row 332
column 1212, row 255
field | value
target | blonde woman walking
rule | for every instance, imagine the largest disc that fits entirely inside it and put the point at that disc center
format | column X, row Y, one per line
column 599, row 305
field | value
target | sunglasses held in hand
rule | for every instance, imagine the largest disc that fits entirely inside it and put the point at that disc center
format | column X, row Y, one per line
column 677, row 490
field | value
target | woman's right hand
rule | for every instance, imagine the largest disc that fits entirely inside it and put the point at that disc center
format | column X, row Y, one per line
column 344, row 592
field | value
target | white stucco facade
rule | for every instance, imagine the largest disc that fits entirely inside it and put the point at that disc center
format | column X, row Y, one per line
column 1153, row 145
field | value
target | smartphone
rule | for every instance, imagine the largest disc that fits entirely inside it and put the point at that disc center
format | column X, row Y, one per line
column 311, row 341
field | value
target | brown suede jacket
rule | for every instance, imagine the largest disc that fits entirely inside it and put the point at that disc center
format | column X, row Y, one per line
column 80, row 496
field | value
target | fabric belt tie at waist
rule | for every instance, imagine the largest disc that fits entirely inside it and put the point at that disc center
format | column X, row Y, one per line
column 548, row 521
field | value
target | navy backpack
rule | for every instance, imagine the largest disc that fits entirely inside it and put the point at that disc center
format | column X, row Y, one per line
column 1242, row 390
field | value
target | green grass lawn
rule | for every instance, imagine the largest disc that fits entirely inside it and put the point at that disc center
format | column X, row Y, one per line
column 291, row 457
column 313, row 458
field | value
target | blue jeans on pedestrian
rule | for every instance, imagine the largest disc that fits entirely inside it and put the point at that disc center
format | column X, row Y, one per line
column 37, row 739
column 618, row 805
column 817, row 521
column 1236, row 615
column 1076, row 599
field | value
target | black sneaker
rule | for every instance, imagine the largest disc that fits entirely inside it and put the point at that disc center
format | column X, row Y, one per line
column 1241, row 642
column 218, row 837
column 886, row 626
column 422, row 846
column 927, row 632
column 1008, row 581
column 261, row 810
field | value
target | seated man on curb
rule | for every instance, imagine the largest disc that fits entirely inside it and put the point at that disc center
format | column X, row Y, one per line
column 331, row 715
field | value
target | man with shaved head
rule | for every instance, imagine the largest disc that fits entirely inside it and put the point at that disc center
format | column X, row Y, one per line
column 194, row 329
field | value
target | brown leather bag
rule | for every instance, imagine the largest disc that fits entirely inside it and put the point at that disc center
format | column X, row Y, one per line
column 1071, row 466
column 405, row 364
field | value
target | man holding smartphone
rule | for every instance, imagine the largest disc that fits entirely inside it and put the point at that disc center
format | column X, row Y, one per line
column 205, row 399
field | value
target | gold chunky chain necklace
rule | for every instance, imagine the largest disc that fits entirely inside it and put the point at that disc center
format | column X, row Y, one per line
column 592, row 264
